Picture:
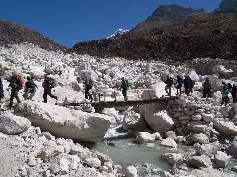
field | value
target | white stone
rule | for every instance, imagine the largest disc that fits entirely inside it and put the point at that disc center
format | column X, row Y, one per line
column 12, row 124
column 93, row 162
column 144, row 137
column 169, row 142
column 131, row 171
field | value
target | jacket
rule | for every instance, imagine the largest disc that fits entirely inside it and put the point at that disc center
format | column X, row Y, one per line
column 30, row 84
column 225, row 92
column 169, row 82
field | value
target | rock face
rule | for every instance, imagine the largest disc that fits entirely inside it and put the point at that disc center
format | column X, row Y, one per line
column 166, row 15
column 227, row 4
column 62, row 122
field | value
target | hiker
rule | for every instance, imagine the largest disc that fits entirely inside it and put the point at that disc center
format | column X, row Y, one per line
column 228, row 87
column 1, row 93
column 88, row 85
column 207, row 86
column 124, row 86
column 224, row 92
column 233, row 93
column 30, row 87
column 169, row 82
column 47, row 88
column 15, row 84
column 179, row 83
column 188, row 85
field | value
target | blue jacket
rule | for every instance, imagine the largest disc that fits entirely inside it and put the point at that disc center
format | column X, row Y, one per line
column 169, row 82
column 225, row 92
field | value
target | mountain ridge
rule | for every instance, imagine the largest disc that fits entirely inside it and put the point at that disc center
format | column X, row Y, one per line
column 13, row 33
column 206, row 35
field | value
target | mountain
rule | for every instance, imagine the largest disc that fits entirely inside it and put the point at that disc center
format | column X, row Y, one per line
column 167, row 15
column 118, row 33
column 206, row 35
column 12, row 33
column 227, row 4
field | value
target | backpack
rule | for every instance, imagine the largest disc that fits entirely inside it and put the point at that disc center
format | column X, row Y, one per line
column 51, row 82
column 128, row 83
column 22, row 81
column 44, row 85
column 90, row 83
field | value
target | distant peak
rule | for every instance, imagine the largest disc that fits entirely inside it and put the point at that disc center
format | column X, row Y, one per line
column 117, row 33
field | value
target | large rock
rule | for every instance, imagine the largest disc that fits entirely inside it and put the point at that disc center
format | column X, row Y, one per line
column 171, row 158
column 134, row 121
column 200, row 161
column 200, row 138
column 221, row 70
column 144, row 137
column 225, row 128
column 221, row 159
column 157, row 117
column 131, row 171
column 65, row 123
column 169, row 142
column 208, row 149
column 157, row 91
column 12, row 124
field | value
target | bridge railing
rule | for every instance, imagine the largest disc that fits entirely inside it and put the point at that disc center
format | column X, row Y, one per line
column 97, row 95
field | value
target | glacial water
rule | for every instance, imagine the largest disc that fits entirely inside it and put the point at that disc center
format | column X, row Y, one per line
column 126, row 152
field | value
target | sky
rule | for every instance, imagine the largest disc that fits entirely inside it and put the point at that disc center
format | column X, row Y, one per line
column 68, row 22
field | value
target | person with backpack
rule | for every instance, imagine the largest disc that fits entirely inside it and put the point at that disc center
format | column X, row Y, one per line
column 88, row 85
column 169, row 82
column 224, row 92
column 1, row 93
column 48, row 84
column 30, row 87
column 233, row 93
column 15, row 84
column 179, row 83
column 124, row 86
column 207, row 86
column 188, row 85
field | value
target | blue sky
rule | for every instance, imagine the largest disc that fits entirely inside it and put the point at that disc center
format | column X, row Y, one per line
column 68, row 22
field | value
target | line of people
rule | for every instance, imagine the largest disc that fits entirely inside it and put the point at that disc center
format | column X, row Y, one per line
column 16, row 84
column 88, row 84
column 207, row 88
column 187, row 82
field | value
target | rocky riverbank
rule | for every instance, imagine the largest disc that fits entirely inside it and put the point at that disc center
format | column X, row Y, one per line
column 41, row 139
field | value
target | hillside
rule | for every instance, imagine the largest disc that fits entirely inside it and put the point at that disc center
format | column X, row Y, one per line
column 12, row 33
column 205, row 35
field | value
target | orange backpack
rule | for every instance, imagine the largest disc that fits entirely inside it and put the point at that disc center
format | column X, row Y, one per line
column 22, row 80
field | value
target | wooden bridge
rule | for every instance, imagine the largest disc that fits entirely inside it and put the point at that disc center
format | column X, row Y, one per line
column 98, row 104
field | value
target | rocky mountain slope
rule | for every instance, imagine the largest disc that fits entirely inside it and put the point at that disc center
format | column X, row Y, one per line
column 12, row 33
column 167, row 15
column 226, row 4
column 205, row 35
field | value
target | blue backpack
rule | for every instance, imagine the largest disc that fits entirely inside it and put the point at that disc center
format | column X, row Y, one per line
column 128, row 83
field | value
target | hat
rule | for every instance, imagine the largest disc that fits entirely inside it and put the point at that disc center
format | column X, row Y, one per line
column 45, row 75
column 28, row 77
